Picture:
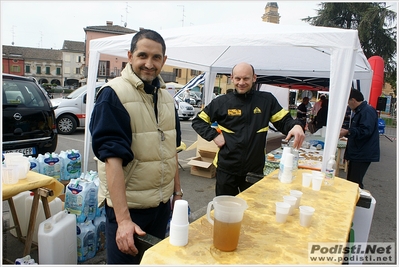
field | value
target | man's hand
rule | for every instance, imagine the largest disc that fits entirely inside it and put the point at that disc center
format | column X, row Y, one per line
column 124, row 236
column 299, row 135
column 343, row 132
column 219, row 140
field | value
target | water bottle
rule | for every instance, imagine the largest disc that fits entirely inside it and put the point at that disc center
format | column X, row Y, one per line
column 34, row 164
column 330, row 171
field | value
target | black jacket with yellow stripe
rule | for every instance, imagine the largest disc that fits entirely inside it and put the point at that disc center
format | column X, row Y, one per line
column 244, row 120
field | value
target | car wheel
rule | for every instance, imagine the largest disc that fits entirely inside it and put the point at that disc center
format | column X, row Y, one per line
column 66, row 124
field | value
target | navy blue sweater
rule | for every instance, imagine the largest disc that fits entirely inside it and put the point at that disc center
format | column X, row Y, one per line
column 364, row 139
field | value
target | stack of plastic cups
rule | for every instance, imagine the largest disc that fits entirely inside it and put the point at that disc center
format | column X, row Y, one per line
column 179, row 224
column 287, row 175
column 286, row 150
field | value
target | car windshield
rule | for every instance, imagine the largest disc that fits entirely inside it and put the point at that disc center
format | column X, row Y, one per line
column 83, row 89
column 77, row 92
column 17, row 92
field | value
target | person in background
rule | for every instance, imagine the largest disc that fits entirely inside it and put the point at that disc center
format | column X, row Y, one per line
column 243, row 122
column 302, row 111
column 321, row 118
column 347, row 118
column 317, row 106
column 135, row 131
column 186, row 96
column 363, row 145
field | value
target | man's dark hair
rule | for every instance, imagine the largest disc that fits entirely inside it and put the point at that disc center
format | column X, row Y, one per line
column 147, row 34
column 357, row 95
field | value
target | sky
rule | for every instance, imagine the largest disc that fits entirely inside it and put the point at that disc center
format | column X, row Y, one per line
column 46, row 24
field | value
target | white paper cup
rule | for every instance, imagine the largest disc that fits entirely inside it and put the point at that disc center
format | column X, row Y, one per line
column 306, row 179
column 305, row 215
column 317, row 182
column 282, row 209
column 290, row 200
column 298, row 194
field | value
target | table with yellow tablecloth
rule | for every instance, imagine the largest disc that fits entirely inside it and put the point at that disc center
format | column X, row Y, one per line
column 262, row 239
column 38, row 184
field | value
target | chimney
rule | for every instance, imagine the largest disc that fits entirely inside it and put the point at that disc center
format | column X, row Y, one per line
column 109, row 23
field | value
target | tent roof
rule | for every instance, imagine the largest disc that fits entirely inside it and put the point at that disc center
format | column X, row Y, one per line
column 278, row 50
column 272, row 49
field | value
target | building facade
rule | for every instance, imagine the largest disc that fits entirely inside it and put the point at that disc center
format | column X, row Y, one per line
column 73, row 63
column 109, row 66
column 45, row 65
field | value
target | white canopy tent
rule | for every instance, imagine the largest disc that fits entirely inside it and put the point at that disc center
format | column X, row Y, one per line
column 273, row 49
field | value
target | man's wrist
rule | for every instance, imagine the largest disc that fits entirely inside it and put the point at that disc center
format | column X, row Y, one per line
column 178, row 193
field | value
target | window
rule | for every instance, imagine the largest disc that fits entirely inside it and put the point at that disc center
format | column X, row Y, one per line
column 27, row 69
column 78, row 59
column 58, row 71
column 67, row 58
column 77, row 71
column 103, row 68
column 124, row 64
column 15, row 68
column 39, row 70
column 67, row 70
column 47, row 70
column 195, row 72
column 177, row 72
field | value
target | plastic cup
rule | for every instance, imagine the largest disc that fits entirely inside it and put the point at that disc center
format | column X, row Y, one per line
column 290, row 200
column 180, row 212
column 317, row 173
column 298, row 194
column 316, row 182
column 305, row 215
column 282, row 209
column 9, row 174
column 306, row 179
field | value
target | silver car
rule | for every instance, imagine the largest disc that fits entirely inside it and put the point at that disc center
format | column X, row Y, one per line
column 70, row 111
column 186, row 110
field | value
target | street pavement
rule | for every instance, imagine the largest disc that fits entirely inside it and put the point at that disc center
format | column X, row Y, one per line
column 380, row 180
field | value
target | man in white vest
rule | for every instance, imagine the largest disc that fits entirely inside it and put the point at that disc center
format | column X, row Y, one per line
column 135, row 131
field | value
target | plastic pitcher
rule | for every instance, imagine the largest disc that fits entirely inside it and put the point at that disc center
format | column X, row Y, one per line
column 228, row 214
column 19, row 162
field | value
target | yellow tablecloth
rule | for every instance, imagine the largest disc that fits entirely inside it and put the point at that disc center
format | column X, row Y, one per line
column 32, row 181
column 262, row 239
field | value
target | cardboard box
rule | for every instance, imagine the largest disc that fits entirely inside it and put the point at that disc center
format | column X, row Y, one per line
column 202, row 165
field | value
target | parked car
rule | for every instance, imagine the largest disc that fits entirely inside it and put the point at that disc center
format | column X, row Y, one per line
column 70, row 110
column 186, row 110
column 28, row 117
column 195, row 98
